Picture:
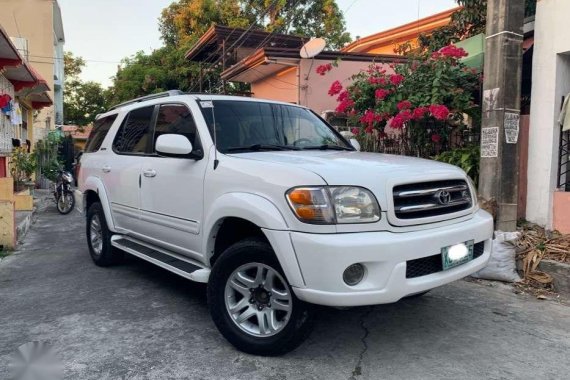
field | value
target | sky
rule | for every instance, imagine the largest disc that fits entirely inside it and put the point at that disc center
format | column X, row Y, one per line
column 105, row 31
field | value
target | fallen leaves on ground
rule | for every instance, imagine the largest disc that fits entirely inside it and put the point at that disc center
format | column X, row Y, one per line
column 535, row 245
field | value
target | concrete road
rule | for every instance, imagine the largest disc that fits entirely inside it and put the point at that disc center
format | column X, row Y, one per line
column 136, row 321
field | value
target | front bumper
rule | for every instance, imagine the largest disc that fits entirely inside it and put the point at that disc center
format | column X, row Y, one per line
column 323, row 258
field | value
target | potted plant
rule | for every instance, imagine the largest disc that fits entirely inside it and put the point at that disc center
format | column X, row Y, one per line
column 22, row 167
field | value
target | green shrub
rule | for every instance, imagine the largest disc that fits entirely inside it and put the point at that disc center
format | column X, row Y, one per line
column 466, row 158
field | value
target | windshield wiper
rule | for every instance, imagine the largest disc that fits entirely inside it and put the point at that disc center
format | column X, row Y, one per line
column 327, row 147
column 258, row 147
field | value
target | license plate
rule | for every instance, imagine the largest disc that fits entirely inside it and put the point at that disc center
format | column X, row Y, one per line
column 457, row 254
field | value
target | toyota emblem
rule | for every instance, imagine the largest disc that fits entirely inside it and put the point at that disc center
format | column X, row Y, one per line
column 443, row 197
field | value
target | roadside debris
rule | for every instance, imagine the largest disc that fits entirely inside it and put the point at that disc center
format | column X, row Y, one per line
column 537, row 244
column 502, row 265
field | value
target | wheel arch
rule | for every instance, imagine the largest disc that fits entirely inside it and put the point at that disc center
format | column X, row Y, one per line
column 94, row 191
column 236, row 216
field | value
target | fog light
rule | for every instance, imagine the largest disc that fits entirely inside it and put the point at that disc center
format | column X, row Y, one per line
column 353, row 274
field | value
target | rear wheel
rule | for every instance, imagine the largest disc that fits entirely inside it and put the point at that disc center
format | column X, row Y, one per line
column 252, row 304
column 99, row 238
column 65, row 202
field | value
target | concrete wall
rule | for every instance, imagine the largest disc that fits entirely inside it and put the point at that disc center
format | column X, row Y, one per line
column 281, row 87
column 550, row 82
column 33, row 20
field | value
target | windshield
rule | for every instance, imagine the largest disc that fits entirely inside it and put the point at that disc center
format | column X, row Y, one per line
column 243, row 126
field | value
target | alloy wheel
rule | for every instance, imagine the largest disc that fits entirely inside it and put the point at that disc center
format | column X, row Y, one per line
column 96, row 235
column 258, row 300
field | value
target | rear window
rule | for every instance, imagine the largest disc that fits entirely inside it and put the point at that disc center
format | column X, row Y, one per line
column 135, row 132
column 98, row 133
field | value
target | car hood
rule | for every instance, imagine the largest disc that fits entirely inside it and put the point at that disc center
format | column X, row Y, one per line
column 374, row 171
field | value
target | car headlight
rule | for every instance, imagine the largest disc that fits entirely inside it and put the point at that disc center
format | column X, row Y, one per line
column 333, row 204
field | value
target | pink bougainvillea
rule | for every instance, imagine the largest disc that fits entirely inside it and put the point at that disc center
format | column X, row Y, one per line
column 404, row 105
column 370, row 117
column 400, row 119
column 396, row 79
column 377, row 80
column 324, row 68
column 380, row 93
column 425, row 96
column 439, row 111
column 419, row 113
column 335, row 88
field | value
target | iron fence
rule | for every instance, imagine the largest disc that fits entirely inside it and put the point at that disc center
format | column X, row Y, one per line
column 428, row 144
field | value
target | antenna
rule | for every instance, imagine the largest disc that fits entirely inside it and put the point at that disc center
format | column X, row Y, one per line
column 313, row 48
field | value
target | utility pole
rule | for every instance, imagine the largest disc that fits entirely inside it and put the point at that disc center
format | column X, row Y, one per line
column 498, row 178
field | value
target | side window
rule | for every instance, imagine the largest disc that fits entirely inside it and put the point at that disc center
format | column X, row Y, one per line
column 134, row 134
column 176, row 119
column 98, row 133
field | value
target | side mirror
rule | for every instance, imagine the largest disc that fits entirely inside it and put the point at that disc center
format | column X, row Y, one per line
column 355, row 144
column 172, row 145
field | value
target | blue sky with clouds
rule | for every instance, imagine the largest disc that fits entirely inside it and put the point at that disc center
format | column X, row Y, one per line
column 105, row 31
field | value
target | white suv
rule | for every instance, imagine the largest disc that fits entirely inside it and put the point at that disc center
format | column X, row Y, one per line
column 274, row 210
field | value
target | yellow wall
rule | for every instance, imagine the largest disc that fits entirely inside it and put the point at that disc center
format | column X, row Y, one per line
column 33, row 20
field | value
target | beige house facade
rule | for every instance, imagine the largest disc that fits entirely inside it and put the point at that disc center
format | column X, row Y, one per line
column 36, row 29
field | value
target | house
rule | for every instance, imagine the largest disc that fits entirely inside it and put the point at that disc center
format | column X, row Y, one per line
column 271, row 63
column 37, row 30
column 78, row 134
column 22, row 91
column 548, row 192
column 386, row 41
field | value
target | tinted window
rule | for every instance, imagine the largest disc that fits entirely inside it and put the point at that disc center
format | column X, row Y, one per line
column 176, row 119
column 242, row 124
column 133, row 135
column 98, row 133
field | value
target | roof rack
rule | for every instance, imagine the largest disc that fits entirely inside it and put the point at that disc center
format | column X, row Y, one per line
column 149, row 97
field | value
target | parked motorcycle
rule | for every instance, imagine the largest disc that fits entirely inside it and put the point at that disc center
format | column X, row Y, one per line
column 63, row 194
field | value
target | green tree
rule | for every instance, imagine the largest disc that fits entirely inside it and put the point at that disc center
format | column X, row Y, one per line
column 185, row 20
column 468, row 21
column 82, row 101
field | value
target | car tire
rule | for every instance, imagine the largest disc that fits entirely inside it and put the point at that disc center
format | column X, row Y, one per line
column 279, row 321
column 99, row 238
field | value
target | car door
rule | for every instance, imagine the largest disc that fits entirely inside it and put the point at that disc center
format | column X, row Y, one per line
column 172, row 188
column 122, row 169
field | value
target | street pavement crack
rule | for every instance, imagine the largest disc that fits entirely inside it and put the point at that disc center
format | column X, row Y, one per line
column 357, row 371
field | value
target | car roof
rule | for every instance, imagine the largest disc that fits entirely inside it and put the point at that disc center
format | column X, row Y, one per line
column 141, row 102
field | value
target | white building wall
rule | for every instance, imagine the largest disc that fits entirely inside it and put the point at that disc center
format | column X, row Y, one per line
column 550, row 82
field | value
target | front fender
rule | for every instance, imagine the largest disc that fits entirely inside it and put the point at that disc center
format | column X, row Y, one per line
column 95, row 184
column 251, row 207
column 264, row 214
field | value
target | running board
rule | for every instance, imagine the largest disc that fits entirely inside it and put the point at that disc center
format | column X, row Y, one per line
column 170, row 261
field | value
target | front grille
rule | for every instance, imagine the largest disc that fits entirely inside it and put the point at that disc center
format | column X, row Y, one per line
column 428, row 199
column 432, row 264
column 478, row 249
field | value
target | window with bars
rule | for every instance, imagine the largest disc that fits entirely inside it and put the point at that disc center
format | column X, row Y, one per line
column 564, row 159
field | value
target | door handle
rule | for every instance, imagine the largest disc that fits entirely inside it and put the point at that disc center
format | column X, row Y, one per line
column 149, row 173
column 106, row 169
